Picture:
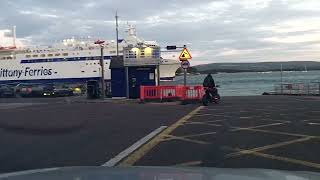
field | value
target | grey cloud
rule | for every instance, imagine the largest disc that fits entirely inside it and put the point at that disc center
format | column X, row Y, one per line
column 230, row 27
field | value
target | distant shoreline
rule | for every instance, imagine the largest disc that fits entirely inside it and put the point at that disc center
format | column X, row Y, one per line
column 234, row 71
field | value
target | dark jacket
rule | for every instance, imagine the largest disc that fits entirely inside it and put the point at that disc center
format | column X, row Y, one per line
column 209, row 82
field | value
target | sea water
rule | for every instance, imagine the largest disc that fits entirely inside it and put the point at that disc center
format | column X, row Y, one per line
column 252, row 83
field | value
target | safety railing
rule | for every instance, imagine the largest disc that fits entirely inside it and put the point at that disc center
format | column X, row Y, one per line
column 171, row 93
column 312, row 88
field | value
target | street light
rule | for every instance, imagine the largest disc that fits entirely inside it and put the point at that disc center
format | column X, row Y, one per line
column 103, row 89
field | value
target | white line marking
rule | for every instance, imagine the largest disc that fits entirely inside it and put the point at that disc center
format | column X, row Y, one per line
column 27, row 172
column 112, row 162
column 314, row 123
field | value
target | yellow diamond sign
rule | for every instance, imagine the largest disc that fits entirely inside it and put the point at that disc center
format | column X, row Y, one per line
column 185, row 55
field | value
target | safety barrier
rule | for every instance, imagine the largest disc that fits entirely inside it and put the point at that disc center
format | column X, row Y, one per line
column 192, row 93
column 308, row 88
column 171, row 93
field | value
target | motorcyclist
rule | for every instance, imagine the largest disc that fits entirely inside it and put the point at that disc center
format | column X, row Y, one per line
column 210, row 84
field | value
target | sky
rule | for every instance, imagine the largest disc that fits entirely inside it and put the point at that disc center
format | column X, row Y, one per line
column 214, row 31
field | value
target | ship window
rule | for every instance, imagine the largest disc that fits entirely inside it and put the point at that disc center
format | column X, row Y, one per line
column 28, row 56
column 43, row 55
column 94, row 71
column 82, row 71
column 65, row 54
column 50, row 55
column 89, row 52
column 98, row 63
column 35, row 55
column 3, row 58
column 94, row 63
column 58, row 54
column 112, row 52
column 9, row 57
column 120, row 51
column 86, row 63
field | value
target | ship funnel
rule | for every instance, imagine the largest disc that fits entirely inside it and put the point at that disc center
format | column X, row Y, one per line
column 14, row 35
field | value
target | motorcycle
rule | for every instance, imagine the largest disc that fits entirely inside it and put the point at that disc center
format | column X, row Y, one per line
column 208, row 97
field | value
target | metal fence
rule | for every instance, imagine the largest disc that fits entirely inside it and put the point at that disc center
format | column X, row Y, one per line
column 309, row 88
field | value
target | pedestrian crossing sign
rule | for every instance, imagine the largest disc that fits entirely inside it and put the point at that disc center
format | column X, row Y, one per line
column 185, row 55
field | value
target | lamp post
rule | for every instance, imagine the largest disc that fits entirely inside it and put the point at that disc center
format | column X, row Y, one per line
column 103, row 86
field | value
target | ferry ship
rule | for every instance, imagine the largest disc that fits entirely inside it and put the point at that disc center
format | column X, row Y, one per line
column 72, row 60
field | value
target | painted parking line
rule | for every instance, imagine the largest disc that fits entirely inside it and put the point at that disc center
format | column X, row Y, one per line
column 139, row 153
column 267, row 147
column 189, row 163
column 132, row 148
column 209, row 124
column 274, row 132
column 318, row 124
column 197, row 135
column 254, row 127
column 197, row 115
column 273, row 120
column 284, row 159
column 205, row 121
column 171, row 137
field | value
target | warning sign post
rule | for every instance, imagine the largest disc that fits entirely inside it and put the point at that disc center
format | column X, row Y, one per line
column 184, row 57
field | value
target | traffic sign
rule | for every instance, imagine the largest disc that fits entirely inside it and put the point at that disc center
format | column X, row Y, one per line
column 185, row 64
column 185, row 55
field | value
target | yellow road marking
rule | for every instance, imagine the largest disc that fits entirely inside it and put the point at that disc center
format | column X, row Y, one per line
column 276, row 132
column 285, row 159
column 246, row 117
column 198, row 115
column 207, row 121
column 311, row 123
column 190, row 163
column 209, row 124
column 271, row 146
column 253, row 127
column 195, row 135
column 184, row 139
column 283, row 121
column 138, row 154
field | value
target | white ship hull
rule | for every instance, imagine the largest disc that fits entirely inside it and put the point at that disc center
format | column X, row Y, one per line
column 71, row 61
column 168, row 69
column 12, row 71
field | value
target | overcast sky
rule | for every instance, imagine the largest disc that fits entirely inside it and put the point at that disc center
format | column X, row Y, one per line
column 215, row 31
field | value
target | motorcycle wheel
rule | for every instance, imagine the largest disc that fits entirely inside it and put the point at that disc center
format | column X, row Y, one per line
column 205, row 100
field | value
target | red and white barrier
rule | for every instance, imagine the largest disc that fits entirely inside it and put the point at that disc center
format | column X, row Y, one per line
column 171, row 92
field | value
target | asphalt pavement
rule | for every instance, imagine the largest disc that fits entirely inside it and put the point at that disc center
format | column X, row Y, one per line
column 45, row 132
column 272, row 132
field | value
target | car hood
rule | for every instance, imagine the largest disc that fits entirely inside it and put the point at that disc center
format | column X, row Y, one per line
column 157, row 173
